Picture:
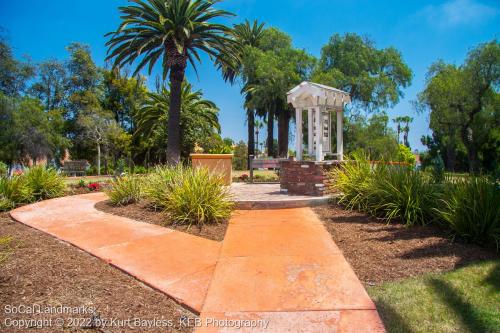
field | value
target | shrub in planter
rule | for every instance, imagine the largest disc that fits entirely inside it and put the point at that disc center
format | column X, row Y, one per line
column 471, row 208
column 197, row 196
column 125, row 190
column 44, row 183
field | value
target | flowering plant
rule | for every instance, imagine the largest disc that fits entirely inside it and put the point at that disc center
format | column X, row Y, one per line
column 94, row 186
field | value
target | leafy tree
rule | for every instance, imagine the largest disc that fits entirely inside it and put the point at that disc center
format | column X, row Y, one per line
column 176, row 31
column 199, row 122
column 240, row 156
column 27, row 131
column 96, row 126
column 13, row 73
column 372, row 136
column 373, row 77
column 463, row 104
column 51, row 86
column 123, row 96
column 276, row 70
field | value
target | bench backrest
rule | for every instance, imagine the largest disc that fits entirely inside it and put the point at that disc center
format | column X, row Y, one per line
column 266, row 163
column 80, row 165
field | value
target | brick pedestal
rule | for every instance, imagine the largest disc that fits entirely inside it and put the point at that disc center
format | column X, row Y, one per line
column 305, row 177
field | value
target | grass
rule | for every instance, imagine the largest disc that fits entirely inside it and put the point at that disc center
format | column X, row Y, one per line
column 88, row 179
column 464, row 300
column 259, row 175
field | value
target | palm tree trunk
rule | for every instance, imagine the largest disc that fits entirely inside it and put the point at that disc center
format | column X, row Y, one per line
column 283, row 130
column 270, row 132
column 251, row 135
column 174, row 115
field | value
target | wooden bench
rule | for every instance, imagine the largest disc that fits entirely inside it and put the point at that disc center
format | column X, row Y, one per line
column 264, row 163
column 75, row 168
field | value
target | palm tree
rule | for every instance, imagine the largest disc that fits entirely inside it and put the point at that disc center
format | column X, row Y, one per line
column 195, row 112
column 175, row 31
column 258, row 126
column 248, row 35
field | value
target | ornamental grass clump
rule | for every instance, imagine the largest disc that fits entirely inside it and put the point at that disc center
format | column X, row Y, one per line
column 471, row 208
column 44, row 183
column 351, row 180
column 14, row 191
column 125, row 190
column 197, row 196
column 389, row 192
column 159, row 184
column 395, row 192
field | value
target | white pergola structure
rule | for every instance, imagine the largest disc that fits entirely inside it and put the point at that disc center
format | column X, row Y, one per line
column 320, row 101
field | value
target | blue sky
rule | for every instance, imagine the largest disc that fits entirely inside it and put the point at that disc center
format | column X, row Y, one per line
column 424, row 31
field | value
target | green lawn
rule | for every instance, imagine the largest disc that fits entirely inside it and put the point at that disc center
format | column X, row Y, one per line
column 87, row 179
column 259, row 175
column 465, row 300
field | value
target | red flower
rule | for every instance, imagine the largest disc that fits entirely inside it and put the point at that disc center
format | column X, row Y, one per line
column 94, row 186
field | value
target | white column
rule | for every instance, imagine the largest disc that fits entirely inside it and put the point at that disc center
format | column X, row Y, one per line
column 310, row 133
column 319, row 135
column 298, row 133
column 340, row 135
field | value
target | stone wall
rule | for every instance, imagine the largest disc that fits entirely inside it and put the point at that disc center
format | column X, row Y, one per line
column 305, row 177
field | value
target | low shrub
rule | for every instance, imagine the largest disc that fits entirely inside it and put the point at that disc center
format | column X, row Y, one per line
column 395, row 192
column 44, row 183
column 197, row 197
column 14, row 191
column 158, row 185
column 471, row 208
column 351, row 179
column 386, row 191
column 125, row 190
column 4, row 169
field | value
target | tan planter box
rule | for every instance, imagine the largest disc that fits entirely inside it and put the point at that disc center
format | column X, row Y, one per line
column 221, row 164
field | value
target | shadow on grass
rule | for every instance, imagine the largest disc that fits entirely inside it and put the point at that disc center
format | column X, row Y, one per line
column 493, row 278
column 393, row 321
column 459, row 305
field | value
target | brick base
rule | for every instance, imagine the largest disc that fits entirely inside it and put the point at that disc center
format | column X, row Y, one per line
column 305, row 177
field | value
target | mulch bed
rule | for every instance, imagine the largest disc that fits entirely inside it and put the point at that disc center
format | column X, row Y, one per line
column 42, row 270
column 379, row 252
column 141, row 212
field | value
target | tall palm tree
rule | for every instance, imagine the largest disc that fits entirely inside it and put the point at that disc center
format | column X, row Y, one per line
column 248, row 35
column 175, row 31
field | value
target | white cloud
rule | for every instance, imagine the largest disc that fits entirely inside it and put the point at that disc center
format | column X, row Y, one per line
column 457, row 12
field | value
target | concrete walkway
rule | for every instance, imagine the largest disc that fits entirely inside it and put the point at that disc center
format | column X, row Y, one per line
column 277, row 266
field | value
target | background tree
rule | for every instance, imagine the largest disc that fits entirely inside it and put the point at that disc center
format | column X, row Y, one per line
column 463, row 105
column 403, row 126
column 248, row 36
column 96, row 126
column 372, row 136
column 175, row 31
column 123, row 96
column 51, row 85
column 373, row 77
column 199, row 121
column 14, row 74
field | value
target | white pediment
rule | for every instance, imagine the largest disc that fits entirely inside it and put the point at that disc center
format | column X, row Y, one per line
column 310, row 94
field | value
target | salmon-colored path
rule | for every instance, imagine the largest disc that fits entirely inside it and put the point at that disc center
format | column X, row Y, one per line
column 277, row 269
